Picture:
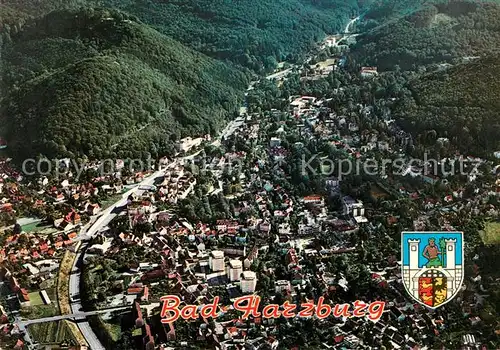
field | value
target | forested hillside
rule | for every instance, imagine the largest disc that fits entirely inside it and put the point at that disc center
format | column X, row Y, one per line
column 92, row 82
column 99, row 83
column 14, row 13
column 253, row 34
column 444, row 31
column 458, row 101
column 382, row 11
column 461, row 103
column 38, row 7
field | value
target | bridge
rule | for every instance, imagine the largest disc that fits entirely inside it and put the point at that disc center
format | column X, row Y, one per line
column 75, row 316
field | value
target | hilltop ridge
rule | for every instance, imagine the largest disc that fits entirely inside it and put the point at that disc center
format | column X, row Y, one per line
column 440, row 31
column 81, row 81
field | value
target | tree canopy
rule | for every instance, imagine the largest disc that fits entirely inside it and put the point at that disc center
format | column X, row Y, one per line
column 97, row 82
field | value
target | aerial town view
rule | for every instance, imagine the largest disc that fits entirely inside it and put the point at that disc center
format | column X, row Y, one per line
column 250, row 175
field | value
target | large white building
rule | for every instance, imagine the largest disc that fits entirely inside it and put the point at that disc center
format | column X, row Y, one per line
column 235, row 270
column 216, row 260
column 350, row 206
column 248, row 282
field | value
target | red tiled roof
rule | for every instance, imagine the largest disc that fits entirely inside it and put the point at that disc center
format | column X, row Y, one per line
column 25, row 295
column 134, row 290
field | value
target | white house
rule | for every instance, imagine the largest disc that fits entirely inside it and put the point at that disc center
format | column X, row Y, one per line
column 235, row 270
column 249, row 282
column 367, row 72
column 284, row 228
column 355, row 208
column 332, row 182
column 275, row 142
column 216, row 260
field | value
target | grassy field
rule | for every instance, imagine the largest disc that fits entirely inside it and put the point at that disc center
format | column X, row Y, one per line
column 39, row 311
column 50, row 285
column 37, row 308
column 36, row 299
column 491, row 233
column 114, row 331
column 111, row 200
column 34, row 226
column 137, row 332
column 51, row 332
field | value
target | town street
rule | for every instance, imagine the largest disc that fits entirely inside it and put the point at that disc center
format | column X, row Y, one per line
column 75, row 316
column 75, row 277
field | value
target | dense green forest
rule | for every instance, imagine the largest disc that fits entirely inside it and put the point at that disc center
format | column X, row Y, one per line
column 460, row 103
column 253, row 34
column 444, row 31
column 15, row 13
column 94, row 82
column 38, row 7
column 382, row 12
column 99, row 83
column 83, row 81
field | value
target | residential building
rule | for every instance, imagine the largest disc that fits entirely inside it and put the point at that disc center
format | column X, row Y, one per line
column 275, row 142
column 282, row 285
column 367, row 72
column 265, row 227
column 216, row 260
column 227, row 225
column 248, row 282
column 355, row 208
column 235, row 270
column 350, row 206
column 314, row 200
column 291, row 257
column 332, row 182
column 284, row 228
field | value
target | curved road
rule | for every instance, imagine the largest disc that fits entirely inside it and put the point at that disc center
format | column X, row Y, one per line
column 351, row 22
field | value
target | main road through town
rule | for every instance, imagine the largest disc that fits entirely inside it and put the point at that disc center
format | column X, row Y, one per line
column 103, row 220
column 74, row 280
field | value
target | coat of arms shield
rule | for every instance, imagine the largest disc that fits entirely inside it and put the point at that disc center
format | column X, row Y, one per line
column 432, row 266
